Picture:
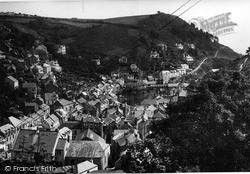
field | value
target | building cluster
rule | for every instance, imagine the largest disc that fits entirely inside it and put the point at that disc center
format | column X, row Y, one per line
column 172, row 74
column 85, row 130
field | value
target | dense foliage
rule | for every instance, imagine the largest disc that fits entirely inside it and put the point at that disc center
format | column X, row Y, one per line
column 207, row 132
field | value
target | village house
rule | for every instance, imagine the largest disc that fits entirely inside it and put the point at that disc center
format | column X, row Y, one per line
column 17, row 123
column 7, row 131
column 37, row 70
column 89, row 135
column 148, row 102
column 46, row 68
column 109, row 125
column 86, row 167
column 32, row 59
column 94, row 151
column 61, row 50
column 33, row 141
column 143, row 126
column 31, row 88
column 50, row 98
column 179, row 46
column 123, row 59
column 161, row 47
column 74, row 126
column 2, row 55
column 154, row 55
column 65, row 133
column 52, row 122
column 51, row 87
column 122, row 139
column 184, row 66
column 63, row 104
column 19, row 63
column 188, row 58
column 61, row 150
column 62, row 115
column 94, row 123
column 12, row 82
column 55, row 66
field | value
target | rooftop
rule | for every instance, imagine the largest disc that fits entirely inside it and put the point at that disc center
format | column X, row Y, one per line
column 89, row 134
column 29, row 140
column 61, row 144
column 12, row 79
column 85, row 166
column 5, row 127
column 86, row 149
column 14, row 121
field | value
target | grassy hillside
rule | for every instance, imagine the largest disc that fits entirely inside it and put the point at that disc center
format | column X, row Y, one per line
column 134, row 35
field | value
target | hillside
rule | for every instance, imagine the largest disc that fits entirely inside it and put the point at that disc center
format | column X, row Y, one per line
column 133, row 36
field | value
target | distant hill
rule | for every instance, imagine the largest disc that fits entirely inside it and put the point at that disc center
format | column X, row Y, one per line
column 134, row 36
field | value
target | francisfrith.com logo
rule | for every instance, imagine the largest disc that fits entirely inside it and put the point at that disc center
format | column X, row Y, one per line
column 30, row 169
column 217, row 25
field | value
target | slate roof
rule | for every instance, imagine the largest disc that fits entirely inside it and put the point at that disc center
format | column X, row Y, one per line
column 50, row 96
column 159, row 115
column 85, row 166
column 64, row 130
column 65, row 102
column 139, row 113
column 80, row 116
column 148, row 102
column 5, row 127
column 117, row 131
column 91, row 119
column 90, row 135
column 29, row 85
column 94, row 102
column 72, row 124
column 61, row 144
column 28, row 138
column 126, row 138
column 14, row 121
column 151, row 108
column 164, row 100
column 108, row 120
column 12, row 79
column 52, row 119
column 86, row 149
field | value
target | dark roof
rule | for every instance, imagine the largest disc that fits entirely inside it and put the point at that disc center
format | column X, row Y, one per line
column 72, row 124
column 159, row 115
column 65, row 102
column 81, row 100
column 148, row 102
column 29, row 85
column 61, row 143
column 80, row 116
column 108, row 120
column 29, row 140
column 50, row 96
column 91, row 119
column 94, row 102
column 90, row 135
column 86, row 149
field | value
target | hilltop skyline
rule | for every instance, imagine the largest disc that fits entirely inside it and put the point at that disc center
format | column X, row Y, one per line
column 101, row 9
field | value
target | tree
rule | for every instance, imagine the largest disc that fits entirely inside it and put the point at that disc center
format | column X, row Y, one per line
column 207, row 132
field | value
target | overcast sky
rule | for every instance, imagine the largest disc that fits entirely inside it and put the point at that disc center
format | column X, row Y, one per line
column 99, row 9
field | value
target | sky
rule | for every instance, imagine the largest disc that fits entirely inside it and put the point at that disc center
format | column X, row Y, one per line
column 239, row 40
